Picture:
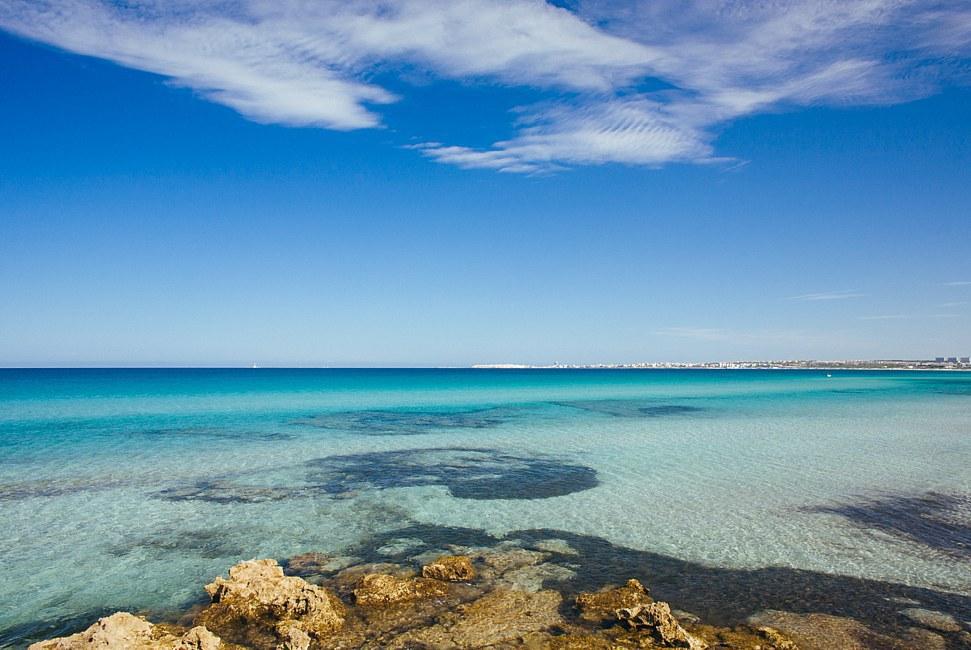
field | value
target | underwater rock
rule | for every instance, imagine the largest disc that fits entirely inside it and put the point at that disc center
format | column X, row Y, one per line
column 601, row 605
column 534, row 577
column 932, row 620
column 556, row 546
column 656, row 619
column 257, row 591
column 124, row 631
column 824, row 631
column 386, row 589
column 502, row 561
column 499, row 616
column 451, row 568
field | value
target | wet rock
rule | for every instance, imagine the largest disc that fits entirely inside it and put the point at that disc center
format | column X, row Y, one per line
column 400, row 546
column 258, row 593
column 824, row 631
column 502, row 561
column 932, row 620
column 601, row 606
column 451, row 568
column 924, row 639
column 386, row 589
column 199, row 638
column 556, row 546
column 308, row 564
column 534, row 578
column 498, row 617
column 657, row 620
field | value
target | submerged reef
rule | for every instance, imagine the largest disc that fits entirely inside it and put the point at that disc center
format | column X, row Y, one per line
column 398, row 422
column 457, row 588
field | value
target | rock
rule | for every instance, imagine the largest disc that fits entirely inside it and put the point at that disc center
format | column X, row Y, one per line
column 308, row 564
column 502, row 561
column 823, row 631
column 776, row 638
column 924, row 639
column 930, row 619
column 400, row 546
column 498, row 617
column 199, row 638
column 292, row 637
column 601, row 605
column 533, row 578
column 386, row 589
column 257, row 590
column 452, row 568
column 121, row 631
column 556, row 546
column 656, row 618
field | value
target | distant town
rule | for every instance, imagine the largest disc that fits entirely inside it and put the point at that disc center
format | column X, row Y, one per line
column 938, row 363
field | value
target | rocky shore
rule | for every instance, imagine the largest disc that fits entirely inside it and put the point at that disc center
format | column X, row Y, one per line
column 471, row 597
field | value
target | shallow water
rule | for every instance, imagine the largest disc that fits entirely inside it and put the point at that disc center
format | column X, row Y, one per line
column 129, row 489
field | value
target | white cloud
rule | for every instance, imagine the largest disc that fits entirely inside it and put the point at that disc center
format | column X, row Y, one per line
column 826, row 295
column 961, row 283
column 305, row 63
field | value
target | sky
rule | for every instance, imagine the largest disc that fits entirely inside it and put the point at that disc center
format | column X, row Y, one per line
column 402, row 182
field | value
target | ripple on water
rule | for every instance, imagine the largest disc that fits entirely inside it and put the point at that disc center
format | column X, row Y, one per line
column 393, row 422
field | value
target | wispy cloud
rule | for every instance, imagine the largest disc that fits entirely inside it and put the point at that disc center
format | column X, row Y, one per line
column 314, row 64
column 906, row 316
column 959, row 283
column 826, row 295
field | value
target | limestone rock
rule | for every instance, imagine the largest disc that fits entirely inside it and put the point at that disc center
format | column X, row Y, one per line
column 257, row 592
column 932, row 620
column 656, row 619
column 499, row 617
column 199, row 638
column 601, row 605
column 823, row 631
column 120, row 631
column 452, row 568
column 386, row 589
column 292, row 636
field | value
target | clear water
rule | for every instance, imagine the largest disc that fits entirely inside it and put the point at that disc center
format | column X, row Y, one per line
column 129, row 489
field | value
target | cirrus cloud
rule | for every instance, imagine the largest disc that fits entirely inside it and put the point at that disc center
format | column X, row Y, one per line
column 304, row 63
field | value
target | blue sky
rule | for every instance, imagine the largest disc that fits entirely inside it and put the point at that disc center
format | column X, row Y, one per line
column 427, row 183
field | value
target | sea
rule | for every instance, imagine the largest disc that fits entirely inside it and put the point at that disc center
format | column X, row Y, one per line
column 727, row 492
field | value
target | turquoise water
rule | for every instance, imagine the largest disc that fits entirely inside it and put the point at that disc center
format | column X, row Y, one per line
column 129, row 489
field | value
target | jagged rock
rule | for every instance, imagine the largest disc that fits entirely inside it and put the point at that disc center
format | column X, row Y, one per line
column 292, row 636
column 656, row 619
column 601, row 605
column 124, row 631
column 452, row 568
column 386, row 589
column 499, row 616
column 932, row 620
column 258, row 592
column 120, row 631
column 199, row 638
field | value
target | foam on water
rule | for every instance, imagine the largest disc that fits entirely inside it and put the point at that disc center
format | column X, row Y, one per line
column 130, row 489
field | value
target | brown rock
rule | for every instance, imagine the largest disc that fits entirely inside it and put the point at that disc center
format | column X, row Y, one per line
column 452, row 568
column 601, row 605
column 257, row 592
column 292, row 636
column 386, row 589
column 932, row 620
column 656, row 619
column 199, row 638
column 121, row 631
column 824, row 631
column 498, row 617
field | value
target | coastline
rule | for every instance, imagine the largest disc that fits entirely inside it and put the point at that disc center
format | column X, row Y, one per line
column 539, row 590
